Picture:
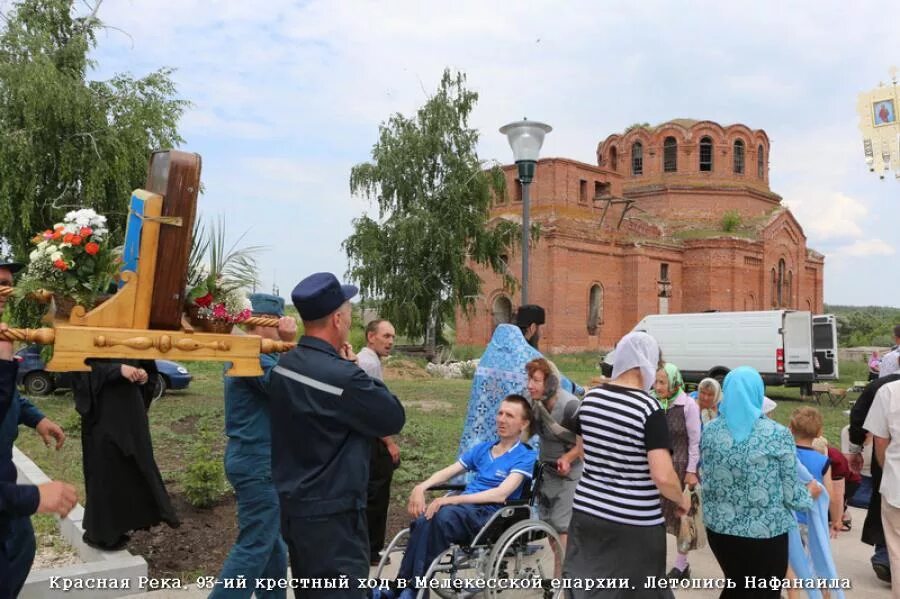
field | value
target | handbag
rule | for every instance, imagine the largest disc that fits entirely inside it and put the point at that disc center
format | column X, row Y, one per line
column 691, row 532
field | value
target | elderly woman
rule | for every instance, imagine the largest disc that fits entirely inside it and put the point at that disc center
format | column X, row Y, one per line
column 683, row 420
column 708, row 396
column 750, row 487
column 616, row 531
column 561, row 452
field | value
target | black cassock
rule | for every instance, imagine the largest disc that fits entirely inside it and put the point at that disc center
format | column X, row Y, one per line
column 124, row 489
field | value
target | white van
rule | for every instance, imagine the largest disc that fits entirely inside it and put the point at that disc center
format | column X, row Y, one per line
column 787, row 347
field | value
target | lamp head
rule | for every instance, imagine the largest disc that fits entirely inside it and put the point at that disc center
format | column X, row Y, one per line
column 526, row 138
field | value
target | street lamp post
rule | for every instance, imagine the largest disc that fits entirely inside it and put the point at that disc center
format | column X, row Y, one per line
column 525, row 138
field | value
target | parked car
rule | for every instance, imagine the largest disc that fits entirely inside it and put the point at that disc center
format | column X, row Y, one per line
column 34, row 377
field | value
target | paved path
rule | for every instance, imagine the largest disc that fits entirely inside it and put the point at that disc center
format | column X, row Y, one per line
column 851, row 555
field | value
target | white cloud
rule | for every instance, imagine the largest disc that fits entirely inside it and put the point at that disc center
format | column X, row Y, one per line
column 300, row 88
column 867, row 247
column 828, row 215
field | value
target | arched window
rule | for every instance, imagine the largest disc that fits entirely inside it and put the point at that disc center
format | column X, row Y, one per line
column 613, row 159
column 637, row 158
column 670, row 155
column 774, row 289
column 706, row 154
column 739, row 157
column 760, row 163
column 501, row 310
column 789, row 286
column 780, row 295
column 595, row 309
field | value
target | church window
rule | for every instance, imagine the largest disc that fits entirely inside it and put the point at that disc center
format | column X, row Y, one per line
column 582, row 191
column 613, row 159
column 780, row 294
column 595, row 309
column 663, row 271
column 706, row 154
column 774, row 289
column 670, row 155
column 739, row 157
column 637, row 158
column 760, row 163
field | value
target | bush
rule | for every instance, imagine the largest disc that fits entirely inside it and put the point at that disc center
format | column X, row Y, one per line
column 731, row 221
column 204, row 479
column 468, row 369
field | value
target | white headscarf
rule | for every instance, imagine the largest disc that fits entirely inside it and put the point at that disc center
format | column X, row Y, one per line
column 637, row 350
column 889, row 364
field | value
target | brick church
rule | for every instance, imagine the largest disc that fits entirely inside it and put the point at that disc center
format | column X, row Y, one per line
column 673, row 218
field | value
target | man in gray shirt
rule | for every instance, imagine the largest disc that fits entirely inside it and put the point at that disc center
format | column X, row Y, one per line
column 385, row 452
column 561, row 450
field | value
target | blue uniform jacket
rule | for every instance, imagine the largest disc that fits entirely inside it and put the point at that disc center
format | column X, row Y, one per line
column 15, row 500
column 325, row 413
column 247, row 421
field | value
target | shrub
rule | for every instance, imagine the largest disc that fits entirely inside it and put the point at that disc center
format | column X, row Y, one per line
column 204, row 479
column 731, row 221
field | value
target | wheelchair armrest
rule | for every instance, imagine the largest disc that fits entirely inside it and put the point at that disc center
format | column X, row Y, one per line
column 448, row 487
column 515, row 502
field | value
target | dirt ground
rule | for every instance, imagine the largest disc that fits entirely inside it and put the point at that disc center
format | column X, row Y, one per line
column 201, row 544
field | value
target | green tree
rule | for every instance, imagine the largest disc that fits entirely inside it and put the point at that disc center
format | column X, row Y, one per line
column 67, row 141
column 434, row 198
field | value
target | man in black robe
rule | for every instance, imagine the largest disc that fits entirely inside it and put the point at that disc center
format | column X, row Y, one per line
column 124, row 490
column 873, row 531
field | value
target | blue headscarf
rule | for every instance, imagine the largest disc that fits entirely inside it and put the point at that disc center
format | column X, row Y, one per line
column 742, row 405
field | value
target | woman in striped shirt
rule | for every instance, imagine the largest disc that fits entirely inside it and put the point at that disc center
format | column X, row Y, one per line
column 617, row 528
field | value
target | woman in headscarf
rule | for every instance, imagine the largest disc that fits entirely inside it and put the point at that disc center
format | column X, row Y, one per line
column 616, row 531
column 708, row 396
column 683, row 420
column 555, row 411
column 750, row 487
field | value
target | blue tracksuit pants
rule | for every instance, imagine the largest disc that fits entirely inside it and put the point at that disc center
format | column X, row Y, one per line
column 259, row 551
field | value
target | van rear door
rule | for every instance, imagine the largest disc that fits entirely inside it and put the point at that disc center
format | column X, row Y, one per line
column 825, row 346
column 798, row 356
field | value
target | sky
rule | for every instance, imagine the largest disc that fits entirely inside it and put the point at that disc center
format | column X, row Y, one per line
column 288, row 96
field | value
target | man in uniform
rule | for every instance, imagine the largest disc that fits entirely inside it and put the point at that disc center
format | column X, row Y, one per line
column 19, row 502
column 326, row 412
column 385, row 452
column 259, row 551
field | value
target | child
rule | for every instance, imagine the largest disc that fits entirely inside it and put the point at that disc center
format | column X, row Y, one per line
column 845, row 481
column 807, row 424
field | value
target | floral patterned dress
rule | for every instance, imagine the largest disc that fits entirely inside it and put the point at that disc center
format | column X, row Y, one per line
column 750, row 489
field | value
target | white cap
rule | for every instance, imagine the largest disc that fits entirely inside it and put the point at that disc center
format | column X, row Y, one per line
column 768, row 405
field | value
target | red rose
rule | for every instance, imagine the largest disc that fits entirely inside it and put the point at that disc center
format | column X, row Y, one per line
column 91, row 248
column 61, row 264
column 204, row 301
column 76, row 240
column 67, row 238
column 85, row 231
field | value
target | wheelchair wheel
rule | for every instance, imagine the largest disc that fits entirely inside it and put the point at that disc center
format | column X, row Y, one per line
column 452, row 569
column 530, row 552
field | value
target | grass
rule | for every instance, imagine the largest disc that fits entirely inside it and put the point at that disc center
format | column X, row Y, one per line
column 435, row 409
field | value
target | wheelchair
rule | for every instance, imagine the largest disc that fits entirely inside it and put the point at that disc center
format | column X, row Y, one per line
column 514, row 545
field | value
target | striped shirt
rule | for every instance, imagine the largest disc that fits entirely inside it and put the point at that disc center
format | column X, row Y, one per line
column 619, row 426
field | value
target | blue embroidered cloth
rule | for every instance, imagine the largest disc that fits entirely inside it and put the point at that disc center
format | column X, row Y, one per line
column 814, row 560
column 500, row 372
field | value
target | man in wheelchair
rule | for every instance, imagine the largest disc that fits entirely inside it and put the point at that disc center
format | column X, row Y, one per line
column 501, row 469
